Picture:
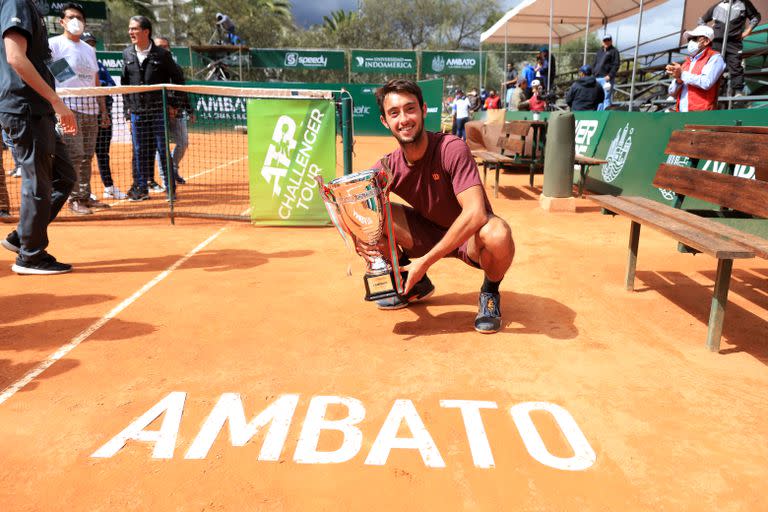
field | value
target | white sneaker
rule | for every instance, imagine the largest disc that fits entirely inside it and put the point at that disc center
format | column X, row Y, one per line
column 155, row 188
column 93, row 196
column 16, row 173
column 113, row 193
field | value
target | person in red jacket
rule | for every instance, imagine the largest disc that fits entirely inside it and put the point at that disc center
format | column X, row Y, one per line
column 493, row 102
column 696, row 82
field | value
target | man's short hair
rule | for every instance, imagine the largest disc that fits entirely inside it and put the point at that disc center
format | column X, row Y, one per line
column 143, row 22
column 398, row 85
column 74, row 7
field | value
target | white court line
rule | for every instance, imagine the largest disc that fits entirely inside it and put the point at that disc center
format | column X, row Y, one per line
column 207, row 171
column 66, row 349
column 226, row 164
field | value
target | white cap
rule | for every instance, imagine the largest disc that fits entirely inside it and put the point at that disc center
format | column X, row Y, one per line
column 536, row 83
column 701, row 30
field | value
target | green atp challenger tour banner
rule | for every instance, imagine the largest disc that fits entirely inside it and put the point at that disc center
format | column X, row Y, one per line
column 289, row 143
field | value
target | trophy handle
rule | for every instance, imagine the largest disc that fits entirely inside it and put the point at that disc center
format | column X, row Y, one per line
column 385, row 175
column 333, row 210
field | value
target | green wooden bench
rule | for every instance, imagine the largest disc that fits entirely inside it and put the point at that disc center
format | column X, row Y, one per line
column 737, row 197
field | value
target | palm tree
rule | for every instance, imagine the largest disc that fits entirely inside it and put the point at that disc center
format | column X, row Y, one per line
column 339, row 20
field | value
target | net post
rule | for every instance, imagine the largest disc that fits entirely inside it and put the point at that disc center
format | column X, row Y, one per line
column 170, row 182
column 346, row 130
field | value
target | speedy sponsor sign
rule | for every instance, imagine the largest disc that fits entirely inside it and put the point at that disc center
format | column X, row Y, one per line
column 372, row 61
column 298, row 59
column 290, row 143
column 450, row 63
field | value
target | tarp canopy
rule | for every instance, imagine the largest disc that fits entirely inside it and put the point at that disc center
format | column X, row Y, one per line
column 528, row 22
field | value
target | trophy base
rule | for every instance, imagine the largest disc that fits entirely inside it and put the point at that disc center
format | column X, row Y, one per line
column 380, row 286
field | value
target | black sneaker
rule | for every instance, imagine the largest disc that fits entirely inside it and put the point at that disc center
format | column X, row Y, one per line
column 488, row 318
column 421, row 290
column 5, row 213
column 46, row 265
column 180, row 180
column 137, row 195
column 12, row 242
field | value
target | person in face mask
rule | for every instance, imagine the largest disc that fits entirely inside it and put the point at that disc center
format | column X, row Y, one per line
column 695, row 82
column 73, row 63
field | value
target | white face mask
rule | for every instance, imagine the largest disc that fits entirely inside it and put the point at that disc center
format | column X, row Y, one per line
column 75, row 27
column 693, row 47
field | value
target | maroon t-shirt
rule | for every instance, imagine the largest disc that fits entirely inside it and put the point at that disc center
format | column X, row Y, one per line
column 431, row 184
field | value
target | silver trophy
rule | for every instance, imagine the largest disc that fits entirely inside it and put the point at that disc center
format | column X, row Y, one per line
column 358, row 205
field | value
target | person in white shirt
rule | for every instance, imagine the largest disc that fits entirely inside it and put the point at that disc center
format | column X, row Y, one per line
column 695, row 83
column 74, row 65
column 461, row 108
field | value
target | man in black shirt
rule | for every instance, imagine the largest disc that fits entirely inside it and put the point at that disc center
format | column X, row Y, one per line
column 145, row 63
column 606, row 65
column 28, row 109
column 744, row 18
column 585, row 93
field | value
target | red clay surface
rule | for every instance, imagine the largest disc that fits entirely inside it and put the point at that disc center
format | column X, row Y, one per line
column 265, row 312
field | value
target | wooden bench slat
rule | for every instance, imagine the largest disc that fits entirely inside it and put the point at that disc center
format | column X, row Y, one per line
column 733, row 129
column 730, row 147
column 588, row 160
column 657, row 217
column 736, row 193
column 754, row 242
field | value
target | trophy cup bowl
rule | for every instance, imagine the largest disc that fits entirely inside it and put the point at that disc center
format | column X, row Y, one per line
column 360, row 204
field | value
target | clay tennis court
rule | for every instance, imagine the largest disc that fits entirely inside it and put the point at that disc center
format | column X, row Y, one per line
column 166, row 330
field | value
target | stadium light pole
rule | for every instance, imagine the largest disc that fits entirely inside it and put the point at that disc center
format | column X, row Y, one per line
column 586, row 31
column 634, row 60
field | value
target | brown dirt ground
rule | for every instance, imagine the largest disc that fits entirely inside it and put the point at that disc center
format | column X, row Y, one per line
column 268, row 311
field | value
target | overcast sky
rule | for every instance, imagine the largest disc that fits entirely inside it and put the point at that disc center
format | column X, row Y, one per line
column 657, row 22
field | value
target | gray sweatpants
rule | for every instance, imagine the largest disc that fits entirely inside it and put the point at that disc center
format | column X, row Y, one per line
column 81, row 148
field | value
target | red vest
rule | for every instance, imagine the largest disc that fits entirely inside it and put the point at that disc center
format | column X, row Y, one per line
column 698, row 98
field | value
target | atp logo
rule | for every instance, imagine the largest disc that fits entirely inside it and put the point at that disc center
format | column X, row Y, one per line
column 438, row 64
column 278, row 157
column 617, row 153
column 291, row 59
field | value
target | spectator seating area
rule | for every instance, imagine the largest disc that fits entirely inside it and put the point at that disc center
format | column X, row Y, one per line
column 736, row 197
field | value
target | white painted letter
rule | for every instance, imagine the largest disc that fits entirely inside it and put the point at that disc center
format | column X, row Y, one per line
column 583, row 454
column 387, row 438
column 473, row 424
column 164, row 439
column 315, row 422
column 277, row 415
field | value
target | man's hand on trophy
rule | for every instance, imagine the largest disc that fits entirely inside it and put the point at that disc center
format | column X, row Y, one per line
column 416, row 270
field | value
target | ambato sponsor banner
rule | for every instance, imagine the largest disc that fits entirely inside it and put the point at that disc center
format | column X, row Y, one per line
column 450, row 63
column 113, row 61
column 367, row 61
column 290, row 142
column 92, row 10
column 297, row 59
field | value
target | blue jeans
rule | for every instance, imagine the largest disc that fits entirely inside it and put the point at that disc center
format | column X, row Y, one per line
column 148, row 137
column 608, row 94
column 177, row 129
column 461, row 132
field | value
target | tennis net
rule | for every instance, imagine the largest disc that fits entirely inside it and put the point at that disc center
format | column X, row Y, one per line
column 165, row 151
